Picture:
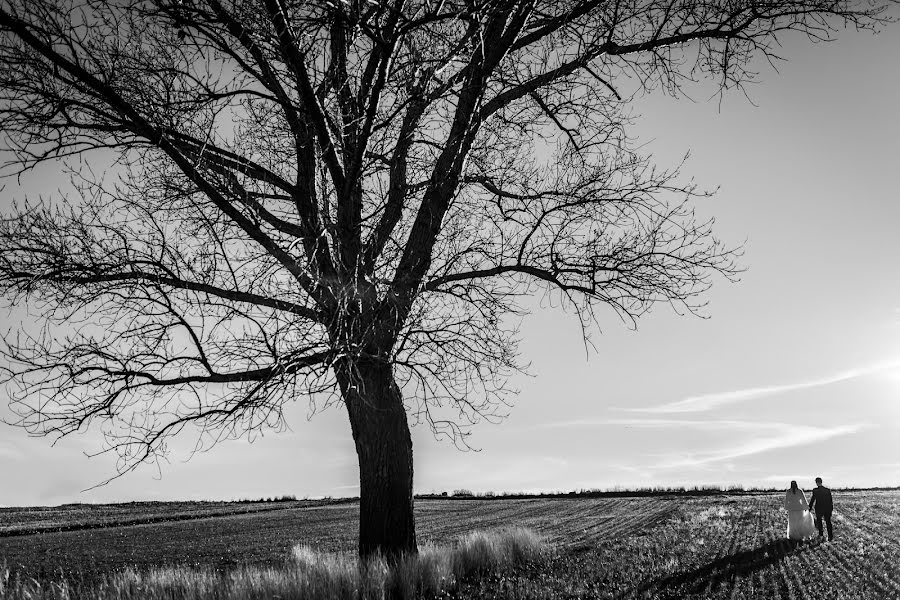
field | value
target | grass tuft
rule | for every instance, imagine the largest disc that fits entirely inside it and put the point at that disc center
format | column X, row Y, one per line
column 433, row 570
column 308, row 574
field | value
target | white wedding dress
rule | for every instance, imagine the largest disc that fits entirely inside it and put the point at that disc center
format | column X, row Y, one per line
column 800, row 521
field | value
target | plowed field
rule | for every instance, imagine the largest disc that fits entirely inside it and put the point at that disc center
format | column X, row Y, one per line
column 729, row 546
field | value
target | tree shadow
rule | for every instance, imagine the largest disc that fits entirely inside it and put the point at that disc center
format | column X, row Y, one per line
column 726, row 568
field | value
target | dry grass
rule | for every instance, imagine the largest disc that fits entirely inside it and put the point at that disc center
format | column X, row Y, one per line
column 308, row 574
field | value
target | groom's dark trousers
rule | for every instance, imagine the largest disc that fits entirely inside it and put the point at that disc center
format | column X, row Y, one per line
column 827, row 517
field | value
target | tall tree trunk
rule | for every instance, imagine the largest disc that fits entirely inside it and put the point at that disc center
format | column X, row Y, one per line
column 384, row 448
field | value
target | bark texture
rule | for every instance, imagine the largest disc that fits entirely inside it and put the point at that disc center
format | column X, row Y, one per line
column 384, row 449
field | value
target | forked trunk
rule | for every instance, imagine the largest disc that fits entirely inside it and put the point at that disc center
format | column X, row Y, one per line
column 384, row 450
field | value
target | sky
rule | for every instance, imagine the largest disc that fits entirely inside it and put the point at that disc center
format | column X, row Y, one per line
column 795, row 372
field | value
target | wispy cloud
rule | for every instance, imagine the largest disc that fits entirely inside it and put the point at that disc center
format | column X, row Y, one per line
column 745, row 438
column 352, row 486
column 712, row 401
column 806, row 477
column 655, row 423
column 772, row 436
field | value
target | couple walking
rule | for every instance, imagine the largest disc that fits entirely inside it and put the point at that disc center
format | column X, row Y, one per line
column 800, row 521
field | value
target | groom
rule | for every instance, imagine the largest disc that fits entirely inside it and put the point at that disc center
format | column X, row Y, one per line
column 821, row 501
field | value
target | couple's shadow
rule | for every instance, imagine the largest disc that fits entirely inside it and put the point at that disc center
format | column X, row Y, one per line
column 739, row 564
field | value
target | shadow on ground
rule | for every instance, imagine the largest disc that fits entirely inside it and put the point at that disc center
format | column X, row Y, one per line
column 739, row 564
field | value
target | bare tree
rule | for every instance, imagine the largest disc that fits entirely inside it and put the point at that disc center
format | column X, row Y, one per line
column 342, row 201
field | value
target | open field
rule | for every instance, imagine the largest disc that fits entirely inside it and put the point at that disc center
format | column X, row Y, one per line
column 728, row 546
column 69, row 517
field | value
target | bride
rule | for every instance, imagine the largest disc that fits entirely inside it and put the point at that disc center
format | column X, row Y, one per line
column 800, row 521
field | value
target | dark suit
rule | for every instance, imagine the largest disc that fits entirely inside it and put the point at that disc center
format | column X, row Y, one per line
column 821, row 502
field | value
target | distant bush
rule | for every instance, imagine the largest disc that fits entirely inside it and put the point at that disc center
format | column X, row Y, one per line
column 283, row 498
column 463, row 492
column 309, row 574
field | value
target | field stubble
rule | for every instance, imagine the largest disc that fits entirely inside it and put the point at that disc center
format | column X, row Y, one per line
column 726, row 547
column 729, row 546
